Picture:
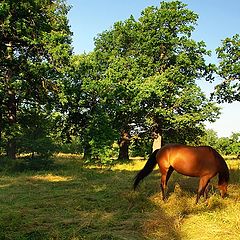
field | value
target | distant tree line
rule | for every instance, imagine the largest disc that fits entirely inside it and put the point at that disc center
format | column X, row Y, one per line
column 225, row 145
column 139, row 80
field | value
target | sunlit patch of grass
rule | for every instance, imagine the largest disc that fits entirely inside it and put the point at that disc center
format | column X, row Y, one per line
column 68, row 156
column 5, row 181
column 206, row 220
column 134, row 165
column 223, row 223
column 50, row 178
column 131, row 166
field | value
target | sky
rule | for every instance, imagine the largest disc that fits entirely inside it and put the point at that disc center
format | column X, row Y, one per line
column 218, row 19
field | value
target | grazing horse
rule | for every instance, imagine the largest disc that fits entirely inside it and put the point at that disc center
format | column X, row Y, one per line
column 203, row 162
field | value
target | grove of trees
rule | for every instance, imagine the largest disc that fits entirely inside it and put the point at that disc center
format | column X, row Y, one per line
column 225, row 145
column 139, row 79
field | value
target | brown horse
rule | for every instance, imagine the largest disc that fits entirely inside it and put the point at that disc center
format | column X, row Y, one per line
column 203, row 162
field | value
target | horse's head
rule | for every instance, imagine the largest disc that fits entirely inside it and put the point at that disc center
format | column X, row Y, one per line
column 223, row 179
column 223, row 189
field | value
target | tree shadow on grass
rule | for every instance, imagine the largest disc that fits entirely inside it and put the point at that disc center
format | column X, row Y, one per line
column 23, row 164
column 133, row 214
column 91, row 204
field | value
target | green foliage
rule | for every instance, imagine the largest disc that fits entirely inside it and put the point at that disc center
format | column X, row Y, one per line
column 35, row 129
column 210, row 138
column 141, row 145
column 229, row 70
column 75, row 146
column 84, row 112
column 140, row 75
column 225, row 145
column 25, row 164
column 34, row 50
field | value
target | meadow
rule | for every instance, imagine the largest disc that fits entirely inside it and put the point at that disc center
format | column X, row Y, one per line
column 71, row 200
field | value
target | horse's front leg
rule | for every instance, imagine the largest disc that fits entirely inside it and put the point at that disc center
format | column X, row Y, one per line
column 203, row 182
column 206, row 191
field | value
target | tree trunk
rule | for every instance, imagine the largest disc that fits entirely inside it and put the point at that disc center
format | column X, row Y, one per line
column 12, row 113
column 1, row 122
column 87, row 153
column 11, row 108
column 11, row 149
column 11, row 116
column 124, row 143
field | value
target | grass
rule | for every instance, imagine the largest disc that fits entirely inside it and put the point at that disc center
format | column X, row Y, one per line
column 74, row 201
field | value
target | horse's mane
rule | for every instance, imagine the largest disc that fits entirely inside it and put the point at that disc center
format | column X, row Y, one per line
column 223, row 172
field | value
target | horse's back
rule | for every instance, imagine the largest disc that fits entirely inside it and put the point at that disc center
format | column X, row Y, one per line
column 189, row 160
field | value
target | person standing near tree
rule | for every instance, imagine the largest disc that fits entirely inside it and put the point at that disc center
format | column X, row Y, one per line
column 157, row 141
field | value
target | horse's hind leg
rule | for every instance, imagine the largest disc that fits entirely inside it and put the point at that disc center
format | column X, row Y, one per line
column 163, row 185
column 203, row 182
column 164, row 179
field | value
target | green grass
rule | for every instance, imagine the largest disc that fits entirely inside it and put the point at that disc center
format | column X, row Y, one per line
column 74, row 201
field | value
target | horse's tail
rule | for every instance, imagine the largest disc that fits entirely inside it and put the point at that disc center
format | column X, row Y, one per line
column 147, row 169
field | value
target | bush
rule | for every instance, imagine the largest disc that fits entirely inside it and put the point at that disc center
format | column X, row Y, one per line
column 25, row 164
column 42, row 146
column 74, row 147
column 103, row 156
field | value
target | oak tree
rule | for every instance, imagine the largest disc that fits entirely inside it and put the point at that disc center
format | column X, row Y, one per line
column 148, row 72
column 34, row 46
column 229, row 70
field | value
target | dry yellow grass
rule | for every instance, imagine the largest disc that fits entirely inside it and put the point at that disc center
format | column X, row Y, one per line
column 180, row 218
column 74, row 201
